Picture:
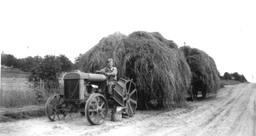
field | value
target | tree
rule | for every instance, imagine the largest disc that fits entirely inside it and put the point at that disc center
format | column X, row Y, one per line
column 78, row 61
column 227, row 76
column 29, row 63
column 65, row 63
column 234, row 76
column 243, row 79
column 9, row 60
column 48, row 69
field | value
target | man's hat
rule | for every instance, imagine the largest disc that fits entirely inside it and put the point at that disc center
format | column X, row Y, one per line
column 110, row 59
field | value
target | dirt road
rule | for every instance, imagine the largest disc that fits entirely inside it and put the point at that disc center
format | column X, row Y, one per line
column 232, row 112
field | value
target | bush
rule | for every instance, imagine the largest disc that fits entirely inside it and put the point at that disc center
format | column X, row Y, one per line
column 234, row 76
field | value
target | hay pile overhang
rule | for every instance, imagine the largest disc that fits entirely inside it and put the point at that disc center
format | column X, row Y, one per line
column 156, row 65
column 205, row 76
column 96, row 57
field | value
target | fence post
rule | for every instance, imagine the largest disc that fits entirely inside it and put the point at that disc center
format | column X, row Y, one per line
column 1, row 91
column 1, row 95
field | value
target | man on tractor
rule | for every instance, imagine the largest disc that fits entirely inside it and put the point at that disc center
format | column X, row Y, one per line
column 111, row 72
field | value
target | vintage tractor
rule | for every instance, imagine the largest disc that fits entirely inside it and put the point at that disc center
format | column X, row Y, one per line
column 88, row 94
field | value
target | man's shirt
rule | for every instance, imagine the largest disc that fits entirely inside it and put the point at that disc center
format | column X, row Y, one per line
column 112, row 73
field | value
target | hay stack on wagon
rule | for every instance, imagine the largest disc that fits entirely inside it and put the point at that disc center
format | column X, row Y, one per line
column 96, row 57
column 156, row 65
column 204, row 71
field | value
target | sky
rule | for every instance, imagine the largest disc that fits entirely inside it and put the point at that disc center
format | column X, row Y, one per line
column 225, row 29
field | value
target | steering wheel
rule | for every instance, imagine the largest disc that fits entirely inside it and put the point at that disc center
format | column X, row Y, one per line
column 100, row 72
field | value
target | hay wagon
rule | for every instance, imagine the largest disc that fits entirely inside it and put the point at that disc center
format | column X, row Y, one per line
column 88, row 94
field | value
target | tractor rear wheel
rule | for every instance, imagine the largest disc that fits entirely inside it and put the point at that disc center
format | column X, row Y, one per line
column 130, row 98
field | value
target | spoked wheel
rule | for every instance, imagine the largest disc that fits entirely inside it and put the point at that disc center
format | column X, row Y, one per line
column 96, row 109
column 130, row 98
column 61, row 113
column 54, row 107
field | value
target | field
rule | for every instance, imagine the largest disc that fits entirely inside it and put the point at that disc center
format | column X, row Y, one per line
column 232, row 112
column 229, row 82
column 15, row 90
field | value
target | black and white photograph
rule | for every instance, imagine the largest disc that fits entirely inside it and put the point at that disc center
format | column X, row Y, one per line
column 128, row 68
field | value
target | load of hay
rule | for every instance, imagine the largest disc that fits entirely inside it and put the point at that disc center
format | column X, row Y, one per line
column 156, row 65
column 205, row 76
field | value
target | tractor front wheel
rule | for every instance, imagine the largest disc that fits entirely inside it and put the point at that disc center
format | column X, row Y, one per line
column 54, row 107
column 96, row 109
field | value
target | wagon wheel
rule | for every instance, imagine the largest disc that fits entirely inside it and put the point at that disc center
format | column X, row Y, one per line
column 54, row 107
column 96, row 109
column 130, row 98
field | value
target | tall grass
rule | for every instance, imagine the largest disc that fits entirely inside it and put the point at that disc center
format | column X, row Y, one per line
column 17, row 92
column 17, row 98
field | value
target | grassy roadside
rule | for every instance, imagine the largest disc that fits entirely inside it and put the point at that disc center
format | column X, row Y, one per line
column 229, row 82
column 11, row 114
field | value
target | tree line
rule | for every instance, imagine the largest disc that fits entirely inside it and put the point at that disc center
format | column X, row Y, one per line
column 234, row 76
column 49, row 67
column 46, row 68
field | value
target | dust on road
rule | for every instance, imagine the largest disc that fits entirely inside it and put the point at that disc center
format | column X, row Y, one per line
column 232, row 112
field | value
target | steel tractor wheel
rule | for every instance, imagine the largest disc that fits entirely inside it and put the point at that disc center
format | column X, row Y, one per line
column 54, row 107
column 130, row 99
column 96, row 109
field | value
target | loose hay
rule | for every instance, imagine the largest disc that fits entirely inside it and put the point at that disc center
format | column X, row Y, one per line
column 204, row 71
column 156, row 65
